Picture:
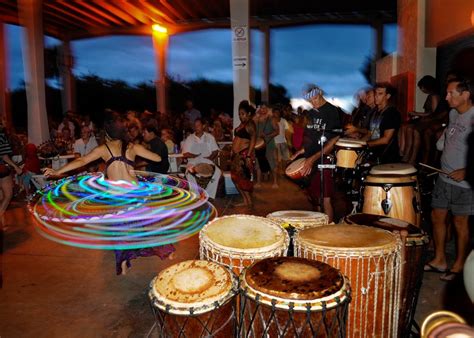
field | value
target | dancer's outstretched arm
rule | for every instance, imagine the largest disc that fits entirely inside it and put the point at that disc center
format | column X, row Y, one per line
column 77, row 163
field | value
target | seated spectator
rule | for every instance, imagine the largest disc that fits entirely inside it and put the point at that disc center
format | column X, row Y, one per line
column 201, row 148
column 218, row 131
column 86, row 143
column 167, row 138
column 157, row 146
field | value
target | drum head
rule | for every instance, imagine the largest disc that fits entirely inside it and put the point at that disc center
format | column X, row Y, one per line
column 382, row 222
column 293, row 278
column 347, row 236
column 350, row 143
column 244, row 233
column 192, row 284
column 393, row 169
column 204, row 169
column 295, row 217
column 295, row 166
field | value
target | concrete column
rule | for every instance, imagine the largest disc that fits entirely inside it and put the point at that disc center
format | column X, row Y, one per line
column 378, row 47
column 31, row 19
column 67, row 79
column 5, row 113
column 414, row 57
column 239, row 24
column 266, row 65
column 160, row 44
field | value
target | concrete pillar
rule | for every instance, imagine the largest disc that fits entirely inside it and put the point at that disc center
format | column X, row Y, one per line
column 67, row 79
column 239, row 24
column 160, row 44
column 5, row 113
column 414, row 57
column 266, row 65
column 31, row 19
column 377, row 27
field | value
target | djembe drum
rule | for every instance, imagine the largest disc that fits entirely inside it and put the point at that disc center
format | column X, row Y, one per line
column 293, row 297
column 415, row 247
column 371, row 259
column 293, row 172
column 237, row 241
column 194, row 299
column 203, row 173
column 392, row 190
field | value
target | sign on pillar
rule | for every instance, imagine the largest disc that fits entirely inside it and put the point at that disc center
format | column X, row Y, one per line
column 239, row 18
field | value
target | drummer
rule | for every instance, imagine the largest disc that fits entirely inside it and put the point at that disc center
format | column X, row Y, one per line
column 201, row 147
column 322, row 120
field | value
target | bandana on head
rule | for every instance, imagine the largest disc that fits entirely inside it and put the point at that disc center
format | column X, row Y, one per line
column 311, row 92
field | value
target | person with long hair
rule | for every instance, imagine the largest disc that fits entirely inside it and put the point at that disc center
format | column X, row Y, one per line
column 243, row 154
column 119, row 155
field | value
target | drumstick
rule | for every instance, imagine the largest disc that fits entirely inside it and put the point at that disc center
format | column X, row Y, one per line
column 433, row 168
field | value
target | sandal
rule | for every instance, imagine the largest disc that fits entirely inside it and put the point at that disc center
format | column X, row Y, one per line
column 450, row 275
column 431, row 268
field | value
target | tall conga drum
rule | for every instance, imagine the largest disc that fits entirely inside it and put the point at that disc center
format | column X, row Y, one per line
column 293, row 297
column 414, row 249
column 349, row 152
column 371, row 259
column 392, row 190
column 194, row 299
column 237, row 241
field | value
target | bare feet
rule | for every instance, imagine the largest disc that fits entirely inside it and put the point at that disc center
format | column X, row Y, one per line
column 124, row 268
column 275, row 186
column 171, row 256
column 241, row 204
column 257, row 185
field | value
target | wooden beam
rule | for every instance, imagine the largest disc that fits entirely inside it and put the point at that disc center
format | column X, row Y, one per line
column 81, row 12
column 137, row 13
column 155, row 10
column 97, row 11
column 185, row 8
column 80, row 19
column 116, row 11
column 172, row 10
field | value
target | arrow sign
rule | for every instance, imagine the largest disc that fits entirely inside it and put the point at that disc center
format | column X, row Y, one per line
column 240, row 62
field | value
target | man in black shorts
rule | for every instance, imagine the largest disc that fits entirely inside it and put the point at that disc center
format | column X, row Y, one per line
column 322, row 121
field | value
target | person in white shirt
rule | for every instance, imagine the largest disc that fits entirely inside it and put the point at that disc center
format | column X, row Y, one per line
column 201, row 147
column 86, row 143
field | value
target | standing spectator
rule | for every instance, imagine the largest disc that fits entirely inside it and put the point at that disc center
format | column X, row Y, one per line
column 6, row 181
column 452, row 192
column 86, row 143
column 280, row 140
column 66, row 123
column 31, row 167
column 267, row 129
column 191, row 113
column 157, row 146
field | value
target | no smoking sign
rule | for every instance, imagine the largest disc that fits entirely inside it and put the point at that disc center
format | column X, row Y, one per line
column 240, row 33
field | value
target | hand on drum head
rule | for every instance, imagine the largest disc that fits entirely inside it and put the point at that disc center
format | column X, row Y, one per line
column 307, row 167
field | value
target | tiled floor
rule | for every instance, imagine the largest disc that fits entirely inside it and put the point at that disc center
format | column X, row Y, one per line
column 51, row 290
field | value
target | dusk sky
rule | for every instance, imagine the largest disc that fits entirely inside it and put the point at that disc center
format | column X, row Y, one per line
column 329, row 55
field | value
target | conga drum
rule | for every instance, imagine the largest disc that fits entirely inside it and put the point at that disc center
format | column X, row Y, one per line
column 293, row 297
column 293, row 172
column 194, row 299
column 348, row 152
column 392, row 190
column 371, row 259
column 412, row 265
column 237, row 241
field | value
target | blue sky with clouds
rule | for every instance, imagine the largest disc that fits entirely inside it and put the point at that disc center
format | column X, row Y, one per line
column 329, row 55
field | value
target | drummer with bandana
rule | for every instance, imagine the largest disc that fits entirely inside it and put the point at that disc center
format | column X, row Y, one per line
column 321, row 122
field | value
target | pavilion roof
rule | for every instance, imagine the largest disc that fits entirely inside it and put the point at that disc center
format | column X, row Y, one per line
column 76, row 19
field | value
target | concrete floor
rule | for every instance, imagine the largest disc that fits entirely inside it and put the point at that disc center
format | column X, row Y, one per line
column 51, row 290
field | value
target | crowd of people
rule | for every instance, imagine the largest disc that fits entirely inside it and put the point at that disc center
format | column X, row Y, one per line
column 266, row 140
